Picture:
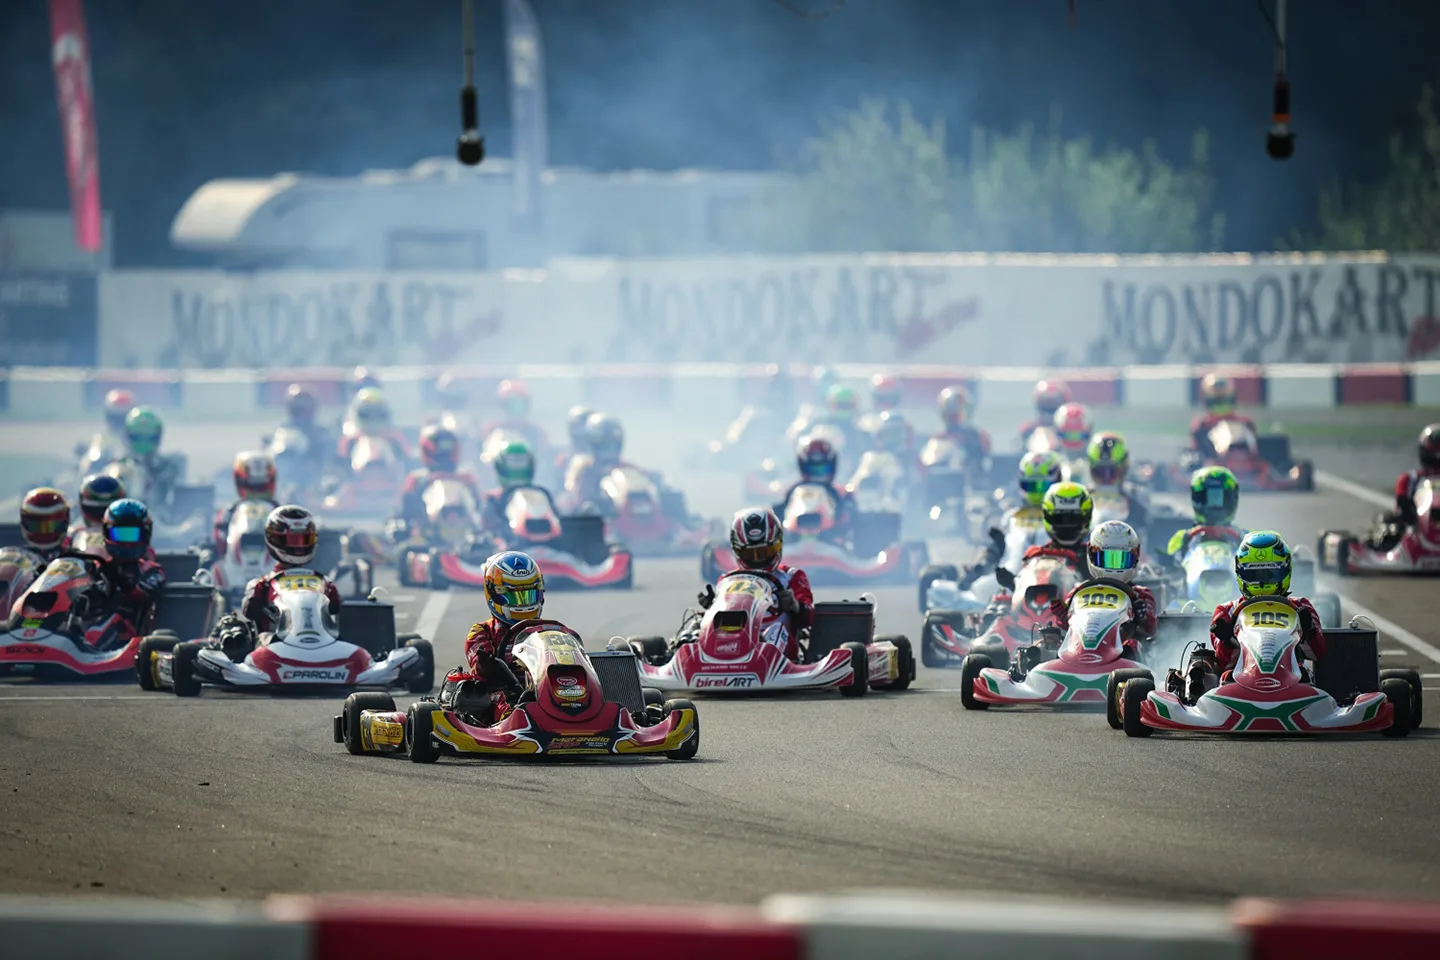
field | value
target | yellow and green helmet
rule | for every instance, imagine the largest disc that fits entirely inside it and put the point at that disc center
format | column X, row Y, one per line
column 1039, row 471
column 1109, row 459
column 1262, row 565
column 1214, row 495
column 1068, row 509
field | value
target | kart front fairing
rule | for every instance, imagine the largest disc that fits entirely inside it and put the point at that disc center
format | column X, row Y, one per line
column 33, row 645
column 282, row 664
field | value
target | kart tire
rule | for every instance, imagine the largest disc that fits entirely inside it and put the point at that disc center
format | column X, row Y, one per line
column 626, row 582
column 1135, row 693
column 652, row 650
column 1305, row 476
column 1342, row 558
column 1114, row 688
column 402, row 569
column 182, row 670
column 158, row 642
column 1400, row 695
column 355, row 704
column 970, row 669
column 688, row 749
column 859, row 670
column 420, row 732
column 929, row 574
column 654, row 701
column 1417, row 692
column 906, row 656
column 421, row 679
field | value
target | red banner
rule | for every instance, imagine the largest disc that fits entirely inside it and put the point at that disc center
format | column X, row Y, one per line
column 70, row 53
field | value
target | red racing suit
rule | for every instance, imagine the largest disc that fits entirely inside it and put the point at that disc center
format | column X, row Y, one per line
column 130, row 587
column 1145, row 613
column 1405, row 486
column 259, row 599
column 1222, row 632
column 1201, row 426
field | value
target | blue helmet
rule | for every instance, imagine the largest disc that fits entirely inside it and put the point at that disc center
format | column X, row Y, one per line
column 127, row 527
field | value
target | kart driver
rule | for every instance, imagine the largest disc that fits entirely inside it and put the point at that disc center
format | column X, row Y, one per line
column 812, row 412
column 513, row 398
column 1113, row 553
column 841, row 407
column 440, row 459
column 1050, row 396
column 1214, row 496
column 254, row 476
column 369, row 416
column 1067, row 509
column 955, row 409
column 1039, row 471
column 1218, row 395
column 576, row 422
column 44, row 525
column 884, row 396
column 514, row 591
column 1262, row 569
column 97, row 492
column 144, row 430
column 1108, row 459
column 110, row 443
column 818, row 463
column 301, row 410
column 757, row 540
column 1074, row 425
column 606, row 438
column 515, row 468
column 1391, row 526
column 291, row 535
column 127, row 579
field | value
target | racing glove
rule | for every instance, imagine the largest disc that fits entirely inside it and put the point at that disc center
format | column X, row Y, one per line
column 787, row 602
column 706, row 596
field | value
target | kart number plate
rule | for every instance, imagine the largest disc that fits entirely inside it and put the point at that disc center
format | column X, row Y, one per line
column 300, row 583
column 1272, row 616
column 1105, row 597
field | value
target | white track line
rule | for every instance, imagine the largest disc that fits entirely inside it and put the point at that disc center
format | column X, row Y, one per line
column 1324, row 478
column 75, row 697
column 434, row 612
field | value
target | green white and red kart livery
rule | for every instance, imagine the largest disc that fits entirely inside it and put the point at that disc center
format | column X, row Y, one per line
column 1268, row 691
column 740, row 643
column 1092, row 649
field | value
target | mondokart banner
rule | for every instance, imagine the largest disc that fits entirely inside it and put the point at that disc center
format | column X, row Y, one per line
column 526, row 59
column 48, row 319
column 70, row 54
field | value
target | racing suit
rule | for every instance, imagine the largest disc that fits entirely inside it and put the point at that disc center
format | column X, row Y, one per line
column 1391, row 526
column 486, row 640
column 1144, row 614
column 1201, row 426
column 128, row 589
column 794, row 582
column 220, row 536
column 259, row 604
column 1227, row 651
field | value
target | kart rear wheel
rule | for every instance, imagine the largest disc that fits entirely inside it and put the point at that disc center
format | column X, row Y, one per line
column 1398, row 692
column 906, row 664
column 1114, row 689
column 420, row 732
column 159, row 642
column 688, row 749
column 652, row 650
column 1417, row 692
column 970, row 669
column 859, row 670
column 1135, row 693
column 421, row 679
column 356, row 704
column 182, row 669
column 929, row 574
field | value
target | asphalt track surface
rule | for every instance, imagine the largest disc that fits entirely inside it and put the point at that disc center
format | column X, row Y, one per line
column 104, row 789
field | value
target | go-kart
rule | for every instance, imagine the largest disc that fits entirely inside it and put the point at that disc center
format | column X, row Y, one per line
column 739, row 644
column 1389, row 549
column 570, row 703
column 1204, row 574
column 872, row 553
column 246, row 556
column 309, row 649
column 1075, row 667
column 60, row 628
column 18, row 569
column 1262, row 463
column 372, row 484
column 771, row 481
column 649, row 518
column 298, row 468
column 1001, row 626
column 1271, row 691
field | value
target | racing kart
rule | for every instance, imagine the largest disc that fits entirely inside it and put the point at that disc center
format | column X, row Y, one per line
column 308, row 650
column 1388, row 549
column 649, row 518
column 739, row 644
column 1002, row 625
column 246, row 555
column 1078, row 666
column 60, row 629
column 1204, row 574
column 372, row 484
column 570, row 703
column 872, row 553
column 18, row 569
column 1272, row 691
column 1262, row 463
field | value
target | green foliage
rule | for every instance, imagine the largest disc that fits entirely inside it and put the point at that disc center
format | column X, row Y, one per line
column 1400, row 212
column 880, row 179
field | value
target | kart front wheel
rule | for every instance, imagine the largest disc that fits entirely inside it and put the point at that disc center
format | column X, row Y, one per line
column 970, row 669
column 1397, row 691
column 1417, row 692
column 859, row 670
column 905, row 668
column 1136, row 692
column 1115, row 689
column 151, row 646
column 688, row 749
column 182, row 670
column 356, row 704
column 420, row 732
column 421, row 677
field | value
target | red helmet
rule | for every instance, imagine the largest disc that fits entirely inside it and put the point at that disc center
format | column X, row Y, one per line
column 118, row 404
column 884, row 391
column 817, row 459
column 301, row 404
column 1050, row 395
column 757, row 539
column 254, row 475
column 291, row 534
column 439, row 448
column 514, row 398
column 954, row 406
column 1073, row 423
column 44, row 518
column 1430, row 446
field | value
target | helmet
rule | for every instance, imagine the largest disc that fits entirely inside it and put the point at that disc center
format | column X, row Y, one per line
column 575, row 423
column 371, row 410
column 514, row 398
column 291, row 535
column 514, row 587
column 118, row 404
column 126, row 529
column 822, row 379
column 893, row 432
column 884, row 391
column 1067, row 513
column 301, row 404
column 97, row 492
column 817, row 459
column 1109, row 459
column 515, row 465
column 1215, row 495
column 1039, row 471
column 363, row 377
column 439, row 448
column 954, row 406
column 1073, row 423
column 1430, row 446
column 1217, row 393
column 606, row 436
column 841, row 401
column 757, row 538
column 1262, row 565
column 451, row 392
column 1113, row 551
column 254, row 475
column 1050, row 395
column 144, row 428
column 44, row 518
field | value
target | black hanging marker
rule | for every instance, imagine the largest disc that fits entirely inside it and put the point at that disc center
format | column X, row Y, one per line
column 1280, row 139
column 470, row 148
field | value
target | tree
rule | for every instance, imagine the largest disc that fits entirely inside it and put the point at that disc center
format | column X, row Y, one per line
column 870, row 182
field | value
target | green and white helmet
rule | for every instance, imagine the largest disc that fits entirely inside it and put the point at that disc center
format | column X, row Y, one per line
column 515, row 465
column 143, row 430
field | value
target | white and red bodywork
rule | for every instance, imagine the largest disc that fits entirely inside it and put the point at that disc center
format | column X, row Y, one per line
column 1418, row 551
column 48, row 627
column 639, row 519
column 374, row 481
column 1238, row 450
column 1041, row 580
column 245, row 555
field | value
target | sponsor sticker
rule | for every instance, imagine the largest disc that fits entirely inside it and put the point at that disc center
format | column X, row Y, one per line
column 25, row 650
column 300, row 583
column 575, row 691
column 383, row 733
column 740, row 682
column 578, row 744
column 1100, row 597
column 314, row 675
column 729, row 646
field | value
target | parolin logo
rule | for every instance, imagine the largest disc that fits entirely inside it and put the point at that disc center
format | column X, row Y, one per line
column 315, row 674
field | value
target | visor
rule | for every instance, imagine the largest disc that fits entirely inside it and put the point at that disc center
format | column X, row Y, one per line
column 757, row 556
column 1264, row 574
column 300, row 538
column 517, row 596
column 1074, row 438
column 1113, row 559
column 144, row 444
column 1036, row 486
column 52, row 525
column 817, row 471
column 1105, row 474
column 123, row 534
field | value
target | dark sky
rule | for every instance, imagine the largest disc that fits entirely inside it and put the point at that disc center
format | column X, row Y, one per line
column 188, row 90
